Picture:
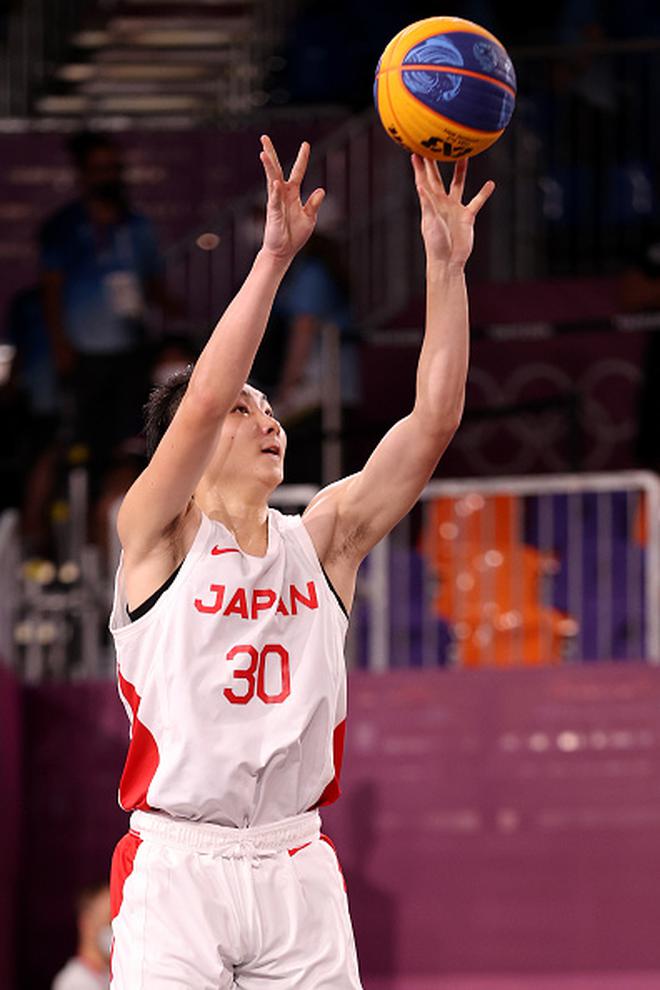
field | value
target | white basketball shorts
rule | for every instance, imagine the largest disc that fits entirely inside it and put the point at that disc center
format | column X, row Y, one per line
column 203, row 907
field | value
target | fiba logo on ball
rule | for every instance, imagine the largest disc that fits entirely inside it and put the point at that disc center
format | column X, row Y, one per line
column 445, row 88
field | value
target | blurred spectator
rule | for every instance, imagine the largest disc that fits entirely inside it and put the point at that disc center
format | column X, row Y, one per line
column 90, row 967
column 127, row 463
column 28, row 332
column 100, row 269
column 36, row 380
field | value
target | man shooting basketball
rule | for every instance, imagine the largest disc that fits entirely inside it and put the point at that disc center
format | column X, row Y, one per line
column 229, row 621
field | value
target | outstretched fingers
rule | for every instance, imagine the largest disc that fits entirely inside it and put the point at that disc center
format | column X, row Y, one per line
column 313, row 203
column 272, row 175
column 270, row 155
column 433, row 177
column 478, row 201
column 300, row 165
column 457, row 186
column 421, row 178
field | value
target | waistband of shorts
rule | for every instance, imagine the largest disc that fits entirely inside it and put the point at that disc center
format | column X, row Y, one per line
column 251, row 841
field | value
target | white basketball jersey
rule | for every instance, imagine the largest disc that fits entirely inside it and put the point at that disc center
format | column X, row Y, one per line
column 234, row 683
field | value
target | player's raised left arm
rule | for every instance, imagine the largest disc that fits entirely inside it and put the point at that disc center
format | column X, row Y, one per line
column 367, row 505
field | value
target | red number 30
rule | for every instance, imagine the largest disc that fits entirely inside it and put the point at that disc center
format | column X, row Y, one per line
column 257, row 666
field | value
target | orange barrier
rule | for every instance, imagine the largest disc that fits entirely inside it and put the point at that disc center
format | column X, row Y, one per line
column 490, row 583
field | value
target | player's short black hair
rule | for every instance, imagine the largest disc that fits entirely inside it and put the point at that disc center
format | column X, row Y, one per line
column 162, row 404
column 83, row 143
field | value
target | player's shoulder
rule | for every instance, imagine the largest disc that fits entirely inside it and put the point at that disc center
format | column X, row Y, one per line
column 322, row 517
column 329, row 498
column 287, row 524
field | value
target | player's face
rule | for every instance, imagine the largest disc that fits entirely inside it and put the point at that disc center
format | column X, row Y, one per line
column 252, row 443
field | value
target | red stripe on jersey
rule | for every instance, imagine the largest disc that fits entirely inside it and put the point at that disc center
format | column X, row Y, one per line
column 332, row 791
column 142, row 757
column 216, row 551
column 123, row 861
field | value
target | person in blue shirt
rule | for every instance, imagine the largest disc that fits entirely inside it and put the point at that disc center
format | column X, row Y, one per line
column 100, row 269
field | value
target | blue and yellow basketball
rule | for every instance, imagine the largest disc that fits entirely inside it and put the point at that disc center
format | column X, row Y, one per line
column 445, row 88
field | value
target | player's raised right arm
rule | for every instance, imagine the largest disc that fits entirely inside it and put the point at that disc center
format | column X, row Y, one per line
column 162, row 492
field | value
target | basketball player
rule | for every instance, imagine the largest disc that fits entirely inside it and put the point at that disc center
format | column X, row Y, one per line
column 229, row 621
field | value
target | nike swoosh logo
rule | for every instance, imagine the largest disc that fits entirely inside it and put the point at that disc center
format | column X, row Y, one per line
column 216, row 551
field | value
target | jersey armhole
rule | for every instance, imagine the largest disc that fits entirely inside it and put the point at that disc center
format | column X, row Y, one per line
column 140, row 610
column 308, row 543
column 334, row 591
column 126, row 625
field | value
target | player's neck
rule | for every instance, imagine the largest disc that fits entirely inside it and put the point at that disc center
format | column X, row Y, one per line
column 243, row 513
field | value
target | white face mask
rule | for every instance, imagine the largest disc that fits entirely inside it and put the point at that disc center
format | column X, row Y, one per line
column 104, row 940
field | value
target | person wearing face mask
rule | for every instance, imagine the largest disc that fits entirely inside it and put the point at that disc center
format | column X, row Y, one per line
column 100, row 268
column 89, row 969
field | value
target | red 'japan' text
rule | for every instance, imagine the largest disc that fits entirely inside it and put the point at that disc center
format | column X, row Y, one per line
column 248, row 604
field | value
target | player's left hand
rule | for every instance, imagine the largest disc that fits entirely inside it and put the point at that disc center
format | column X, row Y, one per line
column 447, row 224
column 289, row 222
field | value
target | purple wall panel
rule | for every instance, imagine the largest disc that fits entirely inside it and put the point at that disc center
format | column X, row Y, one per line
column 503, row 821
column 10, row 788
column 602, row 368
column 490, row 821
column 76, row 738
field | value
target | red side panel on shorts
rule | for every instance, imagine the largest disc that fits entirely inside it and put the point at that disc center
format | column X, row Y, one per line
column 123, row 860
column 332, row 791
column 142, row 757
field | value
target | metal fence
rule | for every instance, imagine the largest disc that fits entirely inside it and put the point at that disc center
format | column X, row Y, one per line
column 521, row 571
column 487, row 573
column 38, row 37
column 34, row 39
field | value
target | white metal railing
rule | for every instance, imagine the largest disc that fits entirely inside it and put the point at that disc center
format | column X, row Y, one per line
column 524, row 571
column 36, row 37
column 486, row 572
column 53, row 612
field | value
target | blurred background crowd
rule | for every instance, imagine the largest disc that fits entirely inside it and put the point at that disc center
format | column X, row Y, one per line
column 131, row 206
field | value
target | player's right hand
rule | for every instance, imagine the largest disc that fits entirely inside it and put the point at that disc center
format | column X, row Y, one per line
column 447, row 223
